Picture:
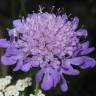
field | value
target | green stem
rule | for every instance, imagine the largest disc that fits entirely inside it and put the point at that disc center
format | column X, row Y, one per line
column 36, row 88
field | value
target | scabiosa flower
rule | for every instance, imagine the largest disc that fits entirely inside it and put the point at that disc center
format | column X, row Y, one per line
column 50, row 42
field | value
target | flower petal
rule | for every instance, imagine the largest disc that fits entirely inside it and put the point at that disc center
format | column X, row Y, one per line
column 8, row 60
column 19, row 65
column 87, row 51
column 26, row 67
column 84, row 45
column 17, row 23
column 63, row 85
column 12, row 32
column 71, row 71
column 76, row 61
column 35, row 63
column 47, row 82
column 56, row 77
column 4, row 43
column 82, row 32
column 11, row 51
column 88, row 62
column 75, row 23
column 39, row 75
column 68, row 69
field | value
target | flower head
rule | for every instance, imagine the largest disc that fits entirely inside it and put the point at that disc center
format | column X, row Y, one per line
column 50, row 42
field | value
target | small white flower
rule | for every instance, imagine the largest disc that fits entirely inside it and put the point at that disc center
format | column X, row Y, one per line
column 22, row 84
column 11, row 91
column 6, row 89
column 8, row 77
column 1, row 94
column 37, row 93
column 31, row 95
column 4, row 82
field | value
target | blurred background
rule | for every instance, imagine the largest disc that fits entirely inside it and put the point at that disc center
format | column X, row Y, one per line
column 82, row 85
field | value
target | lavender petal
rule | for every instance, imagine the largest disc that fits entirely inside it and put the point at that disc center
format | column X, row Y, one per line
column 17, row 23
column 75, row 23
column 8, row 60
column 82, row 32
column 76, row 61
column 88, row 62
column 87, row 51
column 11, row 51
column 35, row 63
column 85, row 45
column 4, row 43
column 47, row 82
column 71, row 71
column 26, row 67
column 63, row 85
column 19, row 65
column 39, row 75
column 56, row 77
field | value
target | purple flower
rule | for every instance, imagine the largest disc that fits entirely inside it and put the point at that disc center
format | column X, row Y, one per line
column 51, row 43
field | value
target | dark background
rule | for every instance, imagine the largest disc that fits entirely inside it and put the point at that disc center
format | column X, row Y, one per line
column 82, row 85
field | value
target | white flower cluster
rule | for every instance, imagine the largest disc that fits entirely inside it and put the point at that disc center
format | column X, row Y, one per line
column 6, row 89
column 4, row 82
column 38, row 93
